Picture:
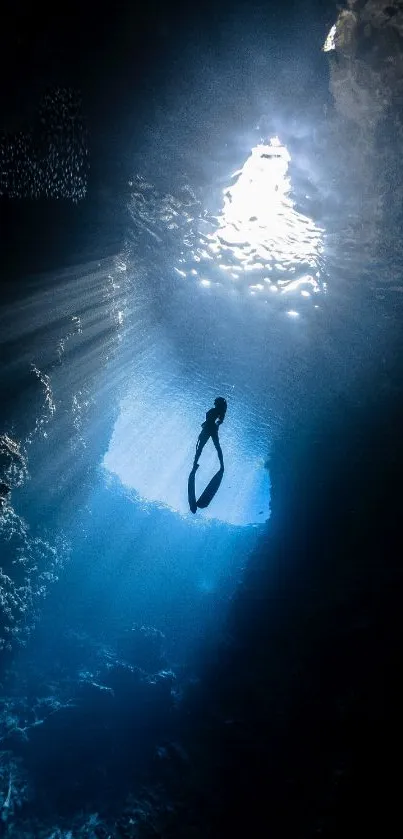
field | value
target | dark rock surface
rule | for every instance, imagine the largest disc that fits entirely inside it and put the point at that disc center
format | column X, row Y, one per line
column 366, row 64
column 365, row 51
column 85, row 738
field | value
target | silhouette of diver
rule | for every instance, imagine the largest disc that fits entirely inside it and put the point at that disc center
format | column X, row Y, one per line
column 214, row 418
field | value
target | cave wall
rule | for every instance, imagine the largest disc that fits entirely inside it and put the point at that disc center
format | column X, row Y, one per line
column 365, row 52
column 366, row 61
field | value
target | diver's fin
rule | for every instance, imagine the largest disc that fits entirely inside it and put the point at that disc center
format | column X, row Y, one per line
column 192, row 490
column 211, row 489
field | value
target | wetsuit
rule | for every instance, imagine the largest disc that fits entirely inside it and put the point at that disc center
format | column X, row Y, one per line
column 210, row 429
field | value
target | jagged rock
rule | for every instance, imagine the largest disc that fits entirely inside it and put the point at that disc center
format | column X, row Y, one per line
column 365, row 132
column 13, row 464
column 365, row 48
column 142, row 646
column 95, row 693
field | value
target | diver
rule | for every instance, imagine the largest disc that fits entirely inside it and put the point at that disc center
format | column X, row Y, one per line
column 214, row 418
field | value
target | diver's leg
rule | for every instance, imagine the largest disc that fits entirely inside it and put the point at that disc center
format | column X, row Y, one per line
column 201, row 442
column 216, row 442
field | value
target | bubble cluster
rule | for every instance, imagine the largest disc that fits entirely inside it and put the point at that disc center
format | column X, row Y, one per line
column 50, row 158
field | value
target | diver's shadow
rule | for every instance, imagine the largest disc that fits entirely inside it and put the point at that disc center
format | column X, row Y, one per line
column 208, row 493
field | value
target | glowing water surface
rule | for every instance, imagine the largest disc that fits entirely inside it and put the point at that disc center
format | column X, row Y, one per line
column 261, row 243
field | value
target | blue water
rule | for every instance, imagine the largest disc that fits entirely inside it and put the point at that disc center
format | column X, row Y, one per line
column 230, row 280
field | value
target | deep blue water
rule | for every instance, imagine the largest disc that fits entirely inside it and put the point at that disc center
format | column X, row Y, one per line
column 210, row 257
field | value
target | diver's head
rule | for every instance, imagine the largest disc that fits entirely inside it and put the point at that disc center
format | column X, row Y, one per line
column 221, row 405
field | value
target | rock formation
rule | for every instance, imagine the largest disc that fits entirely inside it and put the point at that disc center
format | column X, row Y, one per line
column 365, row 48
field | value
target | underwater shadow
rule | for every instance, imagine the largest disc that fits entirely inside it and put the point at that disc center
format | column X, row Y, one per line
column 208, row 493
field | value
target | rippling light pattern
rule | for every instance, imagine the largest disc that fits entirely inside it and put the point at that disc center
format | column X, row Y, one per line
column 259, row 225
column 260, row 238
